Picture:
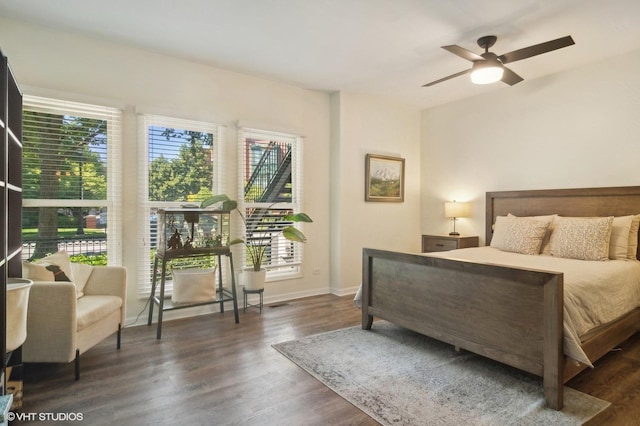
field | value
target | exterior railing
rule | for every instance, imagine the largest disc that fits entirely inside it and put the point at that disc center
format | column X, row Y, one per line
column 73, row 246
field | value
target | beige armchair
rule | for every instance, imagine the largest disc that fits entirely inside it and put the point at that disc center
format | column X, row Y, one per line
column 65, row 320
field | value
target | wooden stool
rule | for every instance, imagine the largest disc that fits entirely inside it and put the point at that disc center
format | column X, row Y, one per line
column 246, row 292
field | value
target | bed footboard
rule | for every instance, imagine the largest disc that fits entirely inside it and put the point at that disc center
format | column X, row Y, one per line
column 511, row 315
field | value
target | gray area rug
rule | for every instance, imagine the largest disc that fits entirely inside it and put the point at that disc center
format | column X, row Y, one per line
column 399, row 377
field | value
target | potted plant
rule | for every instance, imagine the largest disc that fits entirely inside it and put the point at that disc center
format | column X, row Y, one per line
column 256, row 250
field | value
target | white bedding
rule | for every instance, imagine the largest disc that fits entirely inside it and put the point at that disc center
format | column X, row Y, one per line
column 595, row 292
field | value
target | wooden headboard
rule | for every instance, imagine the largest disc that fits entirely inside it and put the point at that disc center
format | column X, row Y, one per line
column 584, row 202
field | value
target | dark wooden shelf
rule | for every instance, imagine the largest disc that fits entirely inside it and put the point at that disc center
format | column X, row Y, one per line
column 11, row 190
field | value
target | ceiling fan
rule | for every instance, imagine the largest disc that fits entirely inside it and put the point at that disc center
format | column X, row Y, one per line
column 489, row 67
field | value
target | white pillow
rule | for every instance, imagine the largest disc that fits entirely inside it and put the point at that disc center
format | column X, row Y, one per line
column 518, row 234
column 55, row 267
column 81, row 274
column 619, row 242
column 193, row 285
column 581, row 238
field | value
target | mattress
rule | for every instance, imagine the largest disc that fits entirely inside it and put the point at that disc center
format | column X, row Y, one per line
column 595, row 292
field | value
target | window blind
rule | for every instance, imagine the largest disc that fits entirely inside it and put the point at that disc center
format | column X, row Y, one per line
column 71, row 175
column 180, row 163
column 270, row 181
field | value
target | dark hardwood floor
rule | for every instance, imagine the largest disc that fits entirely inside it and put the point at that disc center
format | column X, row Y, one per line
column 207, row 370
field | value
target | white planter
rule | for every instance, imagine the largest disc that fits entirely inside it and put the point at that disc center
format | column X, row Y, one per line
column 254, row 280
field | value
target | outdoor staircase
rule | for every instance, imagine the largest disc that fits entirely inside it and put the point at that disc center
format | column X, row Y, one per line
column 270, row 183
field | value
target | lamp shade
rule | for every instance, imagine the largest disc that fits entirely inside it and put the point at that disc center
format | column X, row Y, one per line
column 453, row 209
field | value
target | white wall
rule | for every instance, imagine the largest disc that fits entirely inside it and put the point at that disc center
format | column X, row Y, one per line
column 48, row 62
column 339, row 131
column 366, row 125
column 575, row 129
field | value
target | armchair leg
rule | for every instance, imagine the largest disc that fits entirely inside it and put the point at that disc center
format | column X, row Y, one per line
column 77, row 364
column 118, row 338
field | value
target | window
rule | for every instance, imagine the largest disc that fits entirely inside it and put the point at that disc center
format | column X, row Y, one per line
column 270, row 181
column 180, row 164
column 71, row 187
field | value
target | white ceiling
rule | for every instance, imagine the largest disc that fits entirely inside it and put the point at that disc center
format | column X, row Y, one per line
column 381, row 47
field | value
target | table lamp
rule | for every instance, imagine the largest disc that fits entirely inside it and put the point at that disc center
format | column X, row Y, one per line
column 455, row 210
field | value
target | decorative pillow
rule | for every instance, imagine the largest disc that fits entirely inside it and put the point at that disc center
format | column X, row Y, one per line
column 633, row 238
column 518, row 234
column 55, row 267
column 545, row 248
column 193, row 285
column 619, row 242
column 81, row 274
column 581, row 237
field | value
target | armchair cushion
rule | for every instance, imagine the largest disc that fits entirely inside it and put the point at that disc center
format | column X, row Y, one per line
column 91, row 309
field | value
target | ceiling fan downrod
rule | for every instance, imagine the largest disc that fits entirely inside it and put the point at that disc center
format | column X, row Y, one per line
column 486, row 42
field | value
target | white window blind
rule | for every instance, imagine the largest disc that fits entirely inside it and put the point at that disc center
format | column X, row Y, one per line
column 270, row 182
column 72, row 179
column 180, row 163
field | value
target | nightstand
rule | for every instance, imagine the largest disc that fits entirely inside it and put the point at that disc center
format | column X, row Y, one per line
column 447, row 242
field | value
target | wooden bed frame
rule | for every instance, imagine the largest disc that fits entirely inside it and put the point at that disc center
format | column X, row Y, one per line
column 511, row 315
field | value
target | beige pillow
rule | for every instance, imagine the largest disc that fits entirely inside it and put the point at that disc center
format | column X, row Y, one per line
column 619, row 242
column 581, row 238
column 81, row 274
column 518, row 234
column 545, row 248
column 55, row 267
column 632, row 249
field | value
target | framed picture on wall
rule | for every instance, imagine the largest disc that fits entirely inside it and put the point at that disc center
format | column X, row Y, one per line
column 384, row 178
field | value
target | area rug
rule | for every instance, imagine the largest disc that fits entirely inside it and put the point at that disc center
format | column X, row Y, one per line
column 399, row 377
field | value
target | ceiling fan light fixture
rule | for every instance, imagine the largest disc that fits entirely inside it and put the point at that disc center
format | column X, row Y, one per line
column 486, row 72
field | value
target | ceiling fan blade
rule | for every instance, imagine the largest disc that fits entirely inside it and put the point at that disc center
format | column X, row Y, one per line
column 463, row 53
column 447, row 78
column 536, row 49
column 510, row 77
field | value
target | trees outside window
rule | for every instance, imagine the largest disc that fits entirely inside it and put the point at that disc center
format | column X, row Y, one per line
column 69, row 153
column 179, row 165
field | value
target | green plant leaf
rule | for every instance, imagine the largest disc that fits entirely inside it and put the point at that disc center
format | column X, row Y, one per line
column 293, row 234
column 229, row 205
column 298, row 217
column 214, row 200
